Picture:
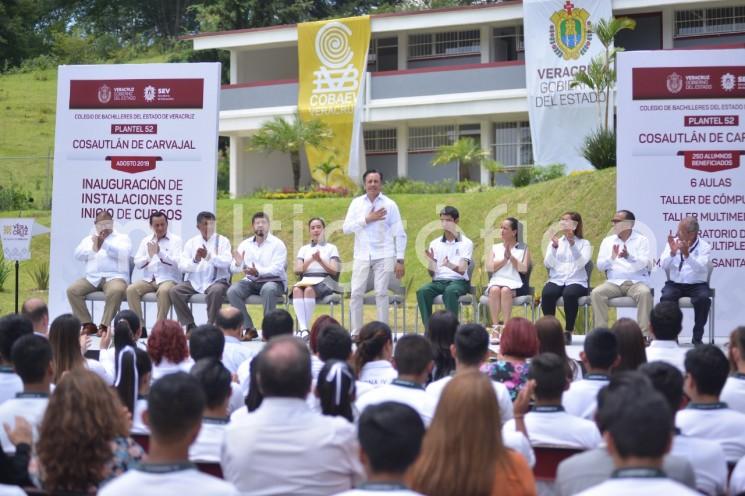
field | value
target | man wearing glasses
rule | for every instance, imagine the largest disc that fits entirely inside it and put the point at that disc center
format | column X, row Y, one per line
column 625, row 258
column 106, row 256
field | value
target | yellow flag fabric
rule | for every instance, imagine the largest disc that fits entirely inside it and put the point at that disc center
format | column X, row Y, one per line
column 332, row 59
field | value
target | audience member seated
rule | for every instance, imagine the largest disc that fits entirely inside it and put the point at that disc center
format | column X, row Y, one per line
column 390, row 436
column 372, row 359
column 336, row 391
column 462, row 452
column 599, row 356
column 441, row 333
column 737, row 479
column 733, row 392
column 319, row 325
column 67, row 353
column 638, row 437
column 412, row 358
column 470, row 352
column 36, row 310
column 631, row 345
column 14, row 469
column 84, row 418
column 207, row 341
column 334, row 343
column 706, row 416
column 551, row 340
column 133, row 385
column 592, row 467
column 126, row 331
column 230, row 321
column 518, row 344
column 215, row 380
column 167, row 349
column 32, row 357
column 665, row 323
column 284, row 447
column 12, row 327
column 174, row 415
column 706, row 457
column 547, row 422
column 255, row 397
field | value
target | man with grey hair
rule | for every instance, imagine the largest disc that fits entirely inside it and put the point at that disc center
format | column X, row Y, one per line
column 686, row 259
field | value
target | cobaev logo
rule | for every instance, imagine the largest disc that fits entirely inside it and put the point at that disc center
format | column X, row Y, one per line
column 570, row 32
column 674, row 83
column 104, row 94
column 337, row 80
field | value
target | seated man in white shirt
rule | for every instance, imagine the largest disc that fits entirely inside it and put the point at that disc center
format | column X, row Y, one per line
column 12, row 327
column 599, row 356
column 207, row 342
column 665, row 323
column 32, row 356
column 106, row 256
column 412, row 358
column 229, row 320
column 448, row 258
column 737, row 479
column 706, row 457
column 175, row 406
column 470, row 351
column 158, row 258
column 390, row 436
column 706, row 416
column 547, row 423
column 215, row 380
column 284, row 447
column 626, row 260
column 638, row 437
column 733, row 392
column 592, row 467
column 36, row 310
column 262, row 259
column 687, row 258
column 205, row 259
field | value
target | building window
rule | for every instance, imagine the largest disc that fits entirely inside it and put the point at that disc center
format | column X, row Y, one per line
column 383, row 55
column 718, row 20
column 512, row 145
column 429, row 138
column 380, row 140
column 509, row 43
column 445, row 44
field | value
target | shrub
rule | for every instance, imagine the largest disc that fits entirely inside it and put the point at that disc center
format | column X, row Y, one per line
column 5, row 270
column 537, row 174
column 599, row 148
column 13, row 197
column 40, row 275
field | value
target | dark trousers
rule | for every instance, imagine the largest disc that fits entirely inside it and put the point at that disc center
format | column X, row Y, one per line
column 571, row 293
column 451, row 291
column 699, row 295
column 181, row 292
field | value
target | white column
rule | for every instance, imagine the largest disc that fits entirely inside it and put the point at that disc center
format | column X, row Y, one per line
column 233, row 66
column 485, row 43
column 486, row 143
column 402, row 150
column 236, row 166
column 668, row 27
column 403, row 50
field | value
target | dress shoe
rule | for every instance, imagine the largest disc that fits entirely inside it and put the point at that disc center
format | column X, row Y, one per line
column 88, row 329
column 250, row 335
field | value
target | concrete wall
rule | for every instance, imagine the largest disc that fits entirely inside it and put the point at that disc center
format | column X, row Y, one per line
column 443, row 61
column 267, row 64
column 709, row 41
column 385, row 163
column 275, row 95
column 421, row 169
column 271, row 171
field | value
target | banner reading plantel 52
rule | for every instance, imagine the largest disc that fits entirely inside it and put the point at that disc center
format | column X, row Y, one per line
column 681, row 146
column 130, row 139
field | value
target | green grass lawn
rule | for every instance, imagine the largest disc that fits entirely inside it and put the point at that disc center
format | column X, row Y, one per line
column 592, row 194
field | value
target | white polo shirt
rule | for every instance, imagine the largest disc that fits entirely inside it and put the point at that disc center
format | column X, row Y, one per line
column 138, row 424
column 668, row 352
column 581, row 399
column 500, row 390
column 207, row 446
column 10, row 383
column 235, row 353
column 639, row 482
column 269, row 258
column 378, row 489
column 737, row 479
column 378, row 373
column 460, row 248
column 715, row 422
column 327, row 251
column 733, row 392
column 30, row 406
column 406, row 392
column 707, row 460
column 517, row 441
column 178, row 479
column 552, row 426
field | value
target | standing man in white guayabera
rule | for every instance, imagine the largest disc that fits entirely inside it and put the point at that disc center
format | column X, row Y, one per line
column 379, row 245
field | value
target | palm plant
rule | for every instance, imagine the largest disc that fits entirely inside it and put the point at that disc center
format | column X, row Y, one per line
column 326, row 168
column 466, row 152
column 280, row 135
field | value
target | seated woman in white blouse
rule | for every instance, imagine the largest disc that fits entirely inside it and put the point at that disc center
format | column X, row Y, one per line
column 506, row 261
column 316, row 263
column 565, row 259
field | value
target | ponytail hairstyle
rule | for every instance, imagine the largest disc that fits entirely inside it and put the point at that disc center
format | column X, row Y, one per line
column 373, row 337
column 336, row 389
column 132, row 365
column 126, row 323
column 254, row 396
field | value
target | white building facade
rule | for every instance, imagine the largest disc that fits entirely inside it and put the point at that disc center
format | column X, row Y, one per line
column 433, row 77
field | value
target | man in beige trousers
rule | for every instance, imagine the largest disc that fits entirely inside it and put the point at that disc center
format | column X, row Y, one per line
column 158, row 258
column 106, row 256
column 625, row 258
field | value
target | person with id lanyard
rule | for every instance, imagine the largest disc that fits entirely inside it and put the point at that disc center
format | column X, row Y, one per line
column 317, row 264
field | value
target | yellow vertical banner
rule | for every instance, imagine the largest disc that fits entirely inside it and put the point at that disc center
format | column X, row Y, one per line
column 332, row 59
